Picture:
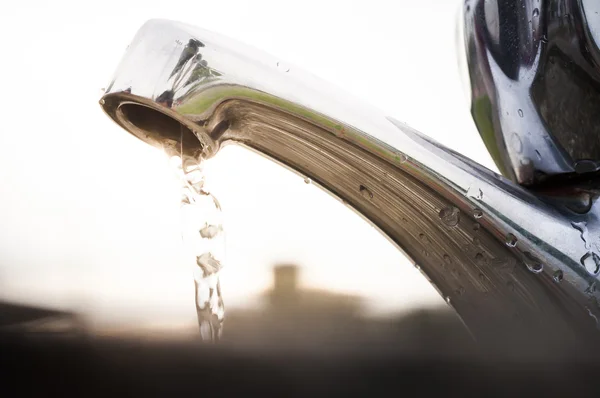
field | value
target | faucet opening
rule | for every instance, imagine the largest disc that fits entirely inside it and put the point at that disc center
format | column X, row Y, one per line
column 150, row 123
column 160, row 129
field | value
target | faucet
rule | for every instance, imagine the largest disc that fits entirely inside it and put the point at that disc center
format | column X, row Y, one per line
column 517, row 256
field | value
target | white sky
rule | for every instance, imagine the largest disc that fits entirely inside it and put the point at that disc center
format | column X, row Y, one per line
column 89, row 215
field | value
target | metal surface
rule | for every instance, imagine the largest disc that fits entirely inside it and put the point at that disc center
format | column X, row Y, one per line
column 510, row 261
column 534, row 70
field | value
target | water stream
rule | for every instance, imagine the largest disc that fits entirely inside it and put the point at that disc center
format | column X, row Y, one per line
column 203, row 243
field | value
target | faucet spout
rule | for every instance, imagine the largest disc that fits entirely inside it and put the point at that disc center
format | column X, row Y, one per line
column 508, row 259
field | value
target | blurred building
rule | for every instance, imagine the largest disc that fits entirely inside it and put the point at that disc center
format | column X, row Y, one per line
column 296, row 318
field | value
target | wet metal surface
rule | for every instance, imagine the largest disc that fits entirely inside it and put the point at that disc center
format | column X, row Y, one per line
column 508, row 260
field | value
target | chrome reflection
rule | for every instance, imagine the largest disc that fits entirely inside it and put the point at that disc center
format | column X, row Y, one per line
column 394, row 176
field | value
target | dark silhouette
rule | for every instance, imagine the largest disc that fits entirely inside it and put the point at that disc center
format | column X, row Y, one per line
column 190, row 50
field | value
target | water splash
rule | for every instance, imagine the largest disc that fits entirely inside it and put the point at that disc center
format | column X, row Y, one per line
column 204, row 244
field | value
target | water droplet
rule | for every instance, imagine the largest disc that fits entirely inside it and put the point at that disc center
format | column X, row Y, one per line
column 520, row 112
column 510, row 240
column 583, row 229
column 102, row 102
column 447, row 259
column 475, row 192
column 477, row 213
column 558, row 276
column 591, row 289
column 538, row 155
column 450, row 216
column 480, row 259
column 591, row 262
column 210, row 231
column 403, row 158
column 307, row 180
column 533, row 263
column 515, row 142
column 417, row 266
column 208, row 263
column 364, row 191
column 206, row 330
column 536, row 12
column 283, row 67
column 448, row 299
column 476, row 226
column 423, row 238
column 526, row 164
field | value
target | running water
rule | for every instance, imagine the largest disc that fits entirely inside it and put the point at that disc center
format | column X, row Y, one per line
column 204, row 243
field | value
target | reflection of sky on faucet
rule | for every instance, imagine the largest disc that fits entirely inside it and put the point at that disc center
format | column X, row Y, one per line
column 89, row 216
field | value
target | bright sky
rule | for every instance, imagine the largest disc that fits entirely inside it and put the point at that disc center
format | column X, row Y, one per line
column 89, row 215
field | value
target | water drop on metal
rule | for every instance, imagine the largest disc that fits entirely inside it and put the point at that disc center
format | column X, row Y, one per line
column 584, row 232
column 448, row 299
column 307, row 180
column 450, row 216
column 591, row 262
column 558, row 276
column 533, row 263
column 536, row 12
column 520, row 113
column 515, row 142
column 480, row 259
column 477, row 213
column 511, row 240
column 591, row 289
column 475, row 192
column 364, row 191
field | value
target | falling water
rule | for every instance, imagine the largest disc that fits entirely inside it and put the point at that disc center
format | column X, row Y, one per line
column 203, row 242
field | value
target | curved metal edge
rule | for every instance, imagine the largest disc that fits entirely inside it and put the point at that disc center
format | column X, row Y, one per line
column 273, row 112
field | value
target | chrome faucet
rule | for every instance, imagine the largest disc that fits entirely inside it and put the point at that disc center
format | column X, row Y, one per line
column 517, row 256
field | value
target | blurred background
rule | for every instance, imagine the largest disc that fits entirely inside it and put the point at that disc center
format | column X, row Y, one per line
column 89, row 216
